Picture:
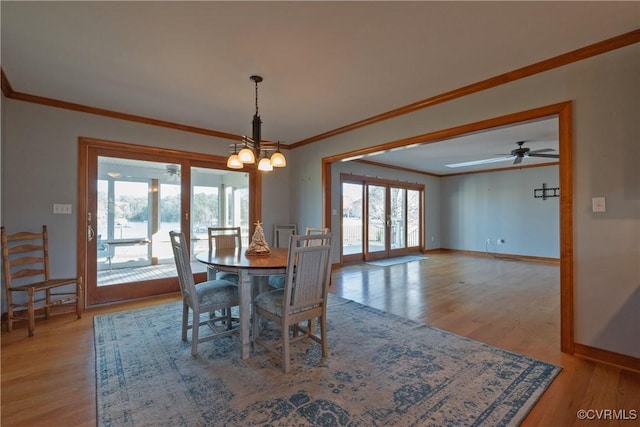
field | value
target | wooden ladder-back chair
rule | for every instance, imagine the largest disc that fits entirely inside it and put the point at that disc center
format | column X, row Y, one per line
column 25, row 261
column 303, row 299
column 281, row 233
column 205, row 297
column 223, row 238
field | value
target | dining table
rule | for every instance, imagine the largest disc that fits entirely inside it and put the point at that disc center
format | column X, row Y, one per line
column 253, row 272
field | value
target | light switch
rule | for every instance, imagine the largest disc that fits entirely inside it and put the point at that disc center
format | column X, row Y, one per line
column 59, row 208
column 598, row 204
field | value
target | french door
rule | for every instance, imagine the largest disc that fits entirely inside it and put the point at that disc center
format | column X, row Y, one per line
column 132, row 196
column 380, row 218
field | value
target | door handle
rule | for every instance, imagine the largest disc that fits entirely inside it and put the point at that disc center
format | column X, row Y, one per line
column 90, row 233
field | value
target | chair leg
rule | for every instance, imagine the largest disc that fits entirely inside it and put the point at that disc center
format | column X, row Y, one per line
column 31, row 311
column 185, row 320
column 9, row 312
column 312, row 326
column 47, row 301
column 79, row 298
column 256, row 326
column 229, row 320
column 323, row 336
column 195, row 328
column 285, row 350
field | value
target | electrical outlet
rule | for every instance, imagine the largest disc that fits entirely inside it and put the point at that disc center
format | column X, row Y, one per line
column 501, row 241
column 488, row 240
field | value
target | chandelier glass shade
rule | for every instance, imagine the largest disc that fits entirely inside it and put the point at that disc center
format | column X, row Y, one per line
column 252, row 151
column 246, row 155
column 234, row 162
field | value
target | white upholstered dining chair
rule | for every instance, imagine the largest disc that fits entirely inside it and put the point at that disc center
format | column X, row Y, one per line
column 303, row 298
column 277, row 282
column 281, row 233
column 205, row 297
column 223, row 238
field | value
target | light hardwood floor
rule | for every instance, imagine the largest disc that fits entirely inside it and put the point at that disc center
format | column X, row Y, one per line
column 49, row 379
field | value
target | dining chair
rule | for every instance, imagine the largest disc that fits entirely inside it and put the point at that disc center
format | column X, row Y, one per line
column 281, row 233
column 223, row 238
column 303, row 298
column 201, row 298
column 310, row 231
column 277, row 282
column 25, row 262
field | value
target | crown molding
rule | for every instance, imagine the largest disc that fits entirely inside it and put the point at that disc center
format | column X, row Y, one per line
column 539, row 67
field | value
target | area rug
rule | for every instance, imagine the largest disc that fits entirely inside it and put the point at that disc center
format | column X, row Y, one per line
column 397, row 260
column 382, row 370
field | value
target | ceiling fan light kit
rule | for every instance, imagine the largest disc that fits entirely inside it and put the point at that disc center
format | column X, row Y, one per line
column 252, row 151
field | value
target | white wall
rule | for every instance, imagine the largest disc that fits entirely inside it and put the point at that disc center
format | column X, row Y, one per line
column 501, row 205
column 606, row 95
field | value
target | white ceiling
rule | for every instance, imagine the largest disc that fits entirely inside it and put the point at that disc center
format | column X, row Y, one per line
column 491, row 144
column 325, row 64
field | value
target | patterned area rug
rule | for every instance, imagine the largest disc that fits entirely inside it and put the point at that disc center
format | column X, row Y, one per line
column 397, row 260
column 382, row 370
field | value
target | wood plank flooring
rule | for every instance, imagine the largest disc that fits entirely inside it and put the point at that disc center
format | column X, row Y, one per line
column 49, row 379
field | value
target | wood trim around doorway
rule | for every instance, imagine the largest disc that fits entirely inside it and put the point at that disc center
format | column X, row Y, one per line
column 564, row 112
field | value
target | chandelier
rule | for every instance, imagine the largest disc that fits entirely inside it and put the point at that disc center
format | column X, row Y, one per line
column 252, row 151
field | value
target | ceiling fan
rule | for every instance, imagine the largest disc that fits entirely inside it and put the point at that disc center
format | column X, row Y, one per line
column 522, row 152
column 517, row 154
column 173, row 172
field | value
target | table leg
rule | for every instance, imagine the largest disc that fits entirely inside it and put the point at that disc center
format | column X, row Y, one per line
column 244, row 286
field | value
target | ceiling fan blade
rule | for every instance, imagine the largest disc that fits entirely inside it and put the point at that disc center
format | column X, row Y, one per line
column 479, row 162
column 542, row 150
column 517, row 160
column 551, row 156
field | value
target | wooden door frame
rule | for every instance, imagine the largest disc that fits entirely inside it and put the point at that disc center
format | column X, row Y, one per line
column 388, row 184
column 564, row 112
column 184, row 158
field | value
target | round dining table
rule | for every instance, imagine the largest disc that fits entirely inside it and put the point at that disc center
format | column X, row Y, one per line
column 252, row 270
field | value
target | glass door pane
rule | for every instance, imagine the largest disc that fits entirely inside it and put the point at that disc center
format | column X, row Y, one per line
column 205, row 213
column 413, row 218
column 133, row 206
column 376, row 219
column 219, row 198
column 352, row 226
column 129, row 232
column 397, row 215
column 169, row 195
